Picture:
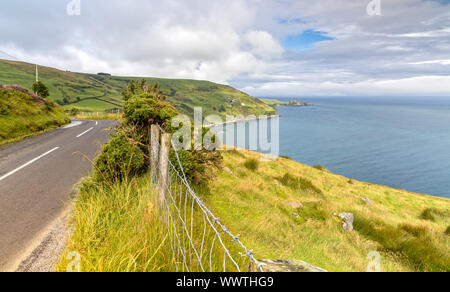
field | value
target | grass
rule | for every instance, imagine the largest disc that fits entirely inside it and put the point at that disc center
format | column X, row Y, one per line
column 120, row 228
column 255, row 206
column 252, row 164
column 90, row 92
column 23, row 116
column 117, row 228
column 434, row 214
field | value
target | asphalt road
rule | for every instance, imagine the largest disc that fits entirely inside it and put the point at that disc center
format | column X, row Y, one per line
column 37, row 177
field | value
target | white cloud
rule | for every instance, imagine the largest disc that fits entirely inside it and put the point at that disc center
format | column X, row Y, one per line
column 239, row 42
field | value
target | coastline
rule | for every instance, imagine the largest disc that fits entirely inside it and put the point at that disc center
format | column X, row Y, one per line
column 242, row 120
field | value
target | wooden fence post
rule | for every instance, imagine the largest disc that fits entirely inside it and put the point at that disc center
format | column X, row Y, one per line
column 154, row 152
column 163, row 179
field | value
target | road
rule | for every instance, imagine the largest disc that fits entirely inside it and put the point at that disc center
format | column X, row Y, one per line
column 37, row 177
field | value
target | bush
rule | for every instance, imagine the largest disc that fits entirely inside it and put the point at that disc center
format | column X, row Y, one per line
column 199, row 166
column 299, row 183
column 447, row 231
column 320, row 167
column 119, row 160
column 252, row 164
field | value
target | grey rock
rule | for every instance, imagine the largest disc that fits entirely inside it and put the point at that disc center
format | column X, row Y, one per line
column 293, row 266
column 347, row 221
column 295, row 205
column 228, row 170
column 367, row 201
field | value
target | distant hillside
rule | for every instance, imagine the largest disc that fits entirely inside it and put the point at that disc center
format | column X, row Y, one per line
column 24, row 114
column 92, row 92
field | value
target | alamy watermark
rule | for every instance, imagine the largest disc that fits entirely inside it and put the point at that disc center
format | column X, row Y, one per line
column 374, row 265
column 74, row 265
column 252, row 133
column 73, row 8
column 374, row 8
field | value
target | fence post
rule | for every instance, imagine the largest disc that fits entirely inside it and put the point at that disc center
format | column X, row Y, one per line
column 154, row 152
column 163, row 169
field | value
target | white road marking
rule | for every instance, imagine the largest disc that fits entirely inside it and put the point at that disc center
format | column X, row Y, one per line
column 73, row 124
column 85, row 132
column 96, row 123
column 28, row 163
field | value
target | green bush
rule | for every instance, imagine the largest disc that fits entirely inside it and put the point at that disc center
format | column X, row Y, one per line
column 119, row 160
column 199, row 166
column 447, row 231
column 320, row 167
column 299, row 183
column 252, row 164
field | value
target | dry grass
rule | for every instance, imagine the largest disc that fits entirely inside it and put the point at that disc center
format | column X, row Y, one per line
column 254, row 205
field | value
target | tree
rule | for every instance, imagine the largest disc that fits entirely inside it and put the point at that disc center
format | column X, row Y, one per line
column 40, row 89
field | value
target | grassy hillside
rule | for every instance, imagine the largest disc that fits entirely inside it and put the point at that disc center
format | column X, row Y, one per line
column 91, row 92
column 410, row 231
column 24, row 114
column 116, row 228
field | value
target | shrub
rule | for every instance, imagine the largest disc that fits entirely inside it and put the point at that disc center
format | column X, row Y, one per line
column 119, row 160
column 320, row 167
column 252, row 164
column 299, row 183
column 41, row 89
column 447, row 231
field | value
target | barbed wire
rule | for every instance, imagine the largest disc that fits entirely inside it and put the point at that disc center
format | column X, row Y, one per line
column 179, row 192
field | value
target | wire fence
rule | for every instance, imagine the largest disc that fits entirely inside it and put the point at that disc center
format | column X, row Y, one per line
column 199, row 242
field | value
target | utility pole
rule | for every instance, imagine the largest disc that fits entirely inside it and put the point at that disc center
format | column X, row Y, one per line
column 37, row 74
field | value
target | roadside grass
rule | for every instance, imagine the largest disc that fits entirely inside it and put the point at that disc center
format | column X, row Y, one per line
column 22, row 116
column 120, row 228
column 255, row 205
column 116, row 228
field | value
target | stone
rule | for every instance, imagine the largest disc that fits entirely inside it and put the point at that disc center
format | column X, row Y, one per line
column 228, row 170
column 295, row 215
column 367, row 201
column 295, row 205
column 347, row 221
column 292, row 266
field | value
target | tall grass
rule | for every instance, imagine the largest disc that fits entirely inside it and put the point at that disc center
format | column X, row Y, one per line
column 413, row 245
column 252, row 164
column 120, row 227
column 300, row 183
column 117, row 228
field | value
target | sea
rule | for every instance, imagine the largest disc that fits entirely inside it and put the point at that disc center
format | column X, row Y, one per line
column 398, row 142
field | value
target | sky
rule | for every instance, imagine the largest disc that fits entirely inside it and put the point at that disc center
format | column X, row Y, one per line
column 267, row 48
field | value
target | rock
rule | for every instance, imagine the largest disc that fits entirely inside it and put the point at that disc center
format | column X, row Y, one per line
column 347, row 221
column 276, row 266
column 295, row 205
column 228, row 170
column 367, row 201
column 295, row 215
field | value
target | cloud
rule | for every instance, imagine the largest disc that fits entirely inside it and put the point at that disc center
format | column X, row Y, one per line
column 241, row 42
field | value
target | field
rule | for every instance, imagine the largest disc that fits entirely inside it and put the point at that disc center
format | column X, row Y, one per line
column 91, row 92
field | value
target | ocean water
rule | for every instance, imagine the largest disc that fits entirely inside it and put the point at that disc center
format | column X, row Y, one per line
column 398, row 142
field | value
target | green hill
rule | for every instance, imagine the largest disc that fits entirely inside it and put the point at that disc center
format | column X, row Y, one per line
column 24, row 114
column 92, row 92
